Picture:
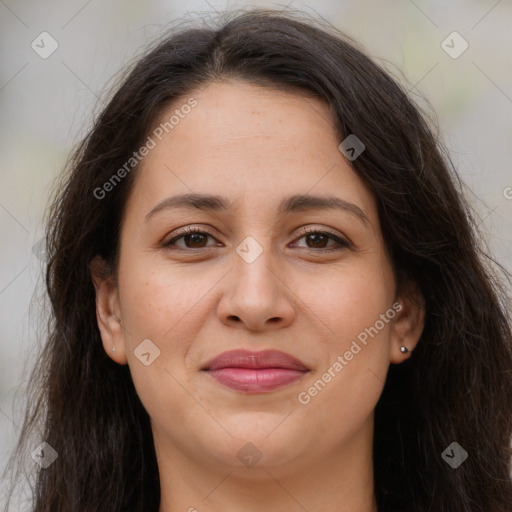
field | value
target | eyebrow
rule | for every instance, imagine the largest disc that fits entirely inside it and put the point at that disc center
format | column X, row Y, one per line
column 294, row 203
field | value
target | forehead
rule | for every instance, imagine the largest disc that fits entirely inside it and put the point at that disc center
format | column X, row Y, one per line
column 246, row 140
column 239, row 114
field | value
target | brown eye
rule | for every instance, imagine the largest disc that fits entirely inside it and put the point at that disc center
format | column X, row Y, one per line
column 194, row 238
column 318, row 240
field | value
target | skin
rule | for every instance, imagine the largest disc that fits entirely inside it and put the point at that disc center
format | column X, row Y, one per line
column 254, row 146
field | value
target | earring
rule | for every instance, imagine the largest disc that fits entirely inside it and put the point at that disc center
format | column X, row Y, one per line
column 114, row 348
column 404, row 350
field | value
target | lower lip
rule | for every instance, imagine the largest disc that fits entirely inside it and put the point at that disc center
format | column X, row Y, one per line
column 255, row 381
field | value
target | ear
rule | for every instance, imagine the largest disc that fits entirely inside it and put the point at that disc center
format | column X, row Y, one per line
column 408, row 324
column 108, row 312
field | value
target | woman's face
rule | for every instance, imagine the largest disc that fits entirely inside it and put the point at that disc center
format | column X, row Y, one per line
column 254, row 280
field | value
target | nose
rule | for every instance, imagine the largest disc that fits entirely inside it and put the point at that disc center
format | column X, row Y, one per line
column 256, row 296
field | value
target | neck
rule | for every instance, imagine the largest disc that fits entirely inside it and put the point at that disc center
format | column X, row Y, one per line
column 341, row 480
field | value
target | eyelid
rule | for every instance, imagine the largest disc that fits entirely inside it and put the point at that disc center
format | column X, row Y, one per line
column 318, row 229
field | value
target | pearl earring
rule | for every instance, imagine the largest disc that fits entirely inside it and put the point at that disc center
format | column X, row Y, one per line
column 114, row 348
column 404, row 350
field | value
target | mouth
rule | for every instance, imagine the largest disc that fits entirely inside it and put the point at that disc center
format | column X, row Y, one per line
column 255, row 372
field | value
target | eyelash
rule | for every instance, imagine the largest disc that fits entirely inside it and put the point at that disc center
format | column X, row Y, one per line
column 343, row 244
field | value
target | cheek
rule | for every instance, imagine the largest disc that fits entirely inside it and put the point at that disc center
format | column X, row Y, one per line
column 157, row 306
column 350, row 299
column 168, row 304
column 342, row 395
column 155, row 297
column 351, row 379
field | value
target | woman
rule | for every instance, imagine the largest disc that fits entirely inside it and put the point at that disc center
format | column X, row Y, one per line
column 268, row 293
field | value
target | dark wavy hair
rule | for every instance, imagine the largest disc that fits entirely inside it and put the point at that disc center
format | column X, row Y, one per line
column 456, row 386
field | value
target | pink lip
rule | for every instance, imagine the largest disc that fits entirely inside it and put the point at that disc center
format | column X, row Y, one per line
column 255, row 372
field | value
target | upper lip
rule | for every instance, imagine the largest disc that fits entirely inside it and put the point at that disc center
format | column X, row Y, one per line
column 255, row 360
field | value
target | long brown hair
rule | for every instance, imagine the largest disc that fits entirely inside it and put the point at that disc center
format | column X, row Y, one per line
column 455, row 387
